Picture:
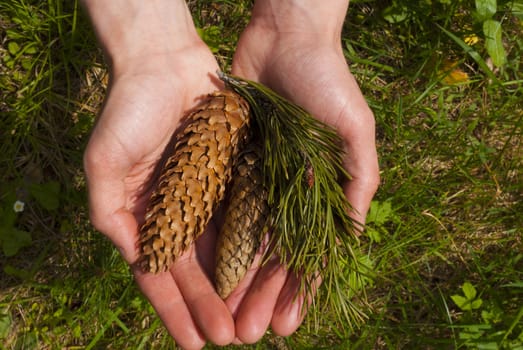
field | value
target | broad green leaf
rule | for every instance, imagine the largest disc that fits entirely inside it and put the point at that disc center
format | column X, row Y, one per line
column 395, row 14
column 13, row 47
column 373, row 234
column 485, row 9
column 27, row 63
column 469, row 291
column 460, row 301
column 470, row 335
column 9, row 61
column 379, row 212
column 30, row 49
column 494, row 43
column 467, row 302
column 211, row 36
column 13, row 240
column 46, row 194
column 476, row 304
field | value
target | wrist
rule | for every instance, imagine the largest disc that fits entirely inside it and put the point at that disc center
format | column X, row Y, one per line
column 307, row 19
column 133, row 31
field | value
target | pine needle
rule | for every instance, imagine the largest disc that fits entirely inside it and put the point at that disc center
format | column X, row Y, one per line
column 312, row 231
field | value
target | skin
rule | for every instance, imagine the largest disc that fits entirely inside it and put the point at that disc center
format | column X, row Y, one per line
column 159, row 70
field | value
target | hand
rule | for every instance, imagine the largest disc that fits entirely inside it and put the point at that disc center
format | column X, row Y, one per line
column 300, row 57
column 157, row 75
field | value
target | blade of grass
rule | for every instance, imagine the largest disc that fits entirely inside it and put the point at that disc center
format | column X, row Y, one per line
column 514, row 324
column 113, row 318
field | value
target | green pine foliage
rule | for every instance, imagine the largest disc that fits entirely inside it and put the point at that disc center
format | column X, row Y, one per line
column 312, row 231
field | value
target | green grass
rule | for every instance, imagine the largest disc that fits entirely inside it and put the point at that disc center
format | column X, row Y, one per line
column 448, row 210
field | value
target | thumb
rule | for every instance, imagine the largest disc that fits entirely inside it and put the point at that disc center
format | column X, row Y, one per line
column 121, row 228
column 362, row 164
column 107, row 199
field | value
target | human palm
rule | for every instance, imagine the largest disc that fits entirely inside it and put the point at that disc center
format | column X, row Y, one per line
column 142, row 110
column 314, row 75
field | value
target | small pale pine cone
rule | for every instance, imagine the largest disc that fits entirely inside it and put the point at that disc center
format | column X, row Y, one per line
column 245, row 222
column 193, row 180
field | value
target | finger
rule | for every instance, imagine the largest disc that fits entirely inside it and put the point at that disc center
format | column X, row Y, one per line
column 235, row 299
column 160, row 289
column 170, row 305
column 359, row 193
column 356, row 126
column 122, row 229
column 208, row 310
column 290, row 309
column 361, row 162
column 256, row 310
column 206, row 249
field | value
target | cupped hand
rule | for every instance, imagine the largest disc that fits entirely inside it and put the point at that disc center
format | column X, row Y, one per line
column 307, row 67
column 147, row 96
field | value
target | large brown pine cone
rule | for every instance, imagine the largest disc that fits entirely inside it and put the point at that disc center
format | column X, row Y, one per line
column 193, row 180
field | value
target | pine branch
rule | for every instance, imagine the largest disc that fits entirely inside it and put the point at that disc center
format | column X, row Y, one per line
column 303, row 171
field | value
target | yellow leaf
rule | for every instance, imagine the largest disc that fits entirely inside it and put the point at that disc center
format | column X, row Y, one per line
column 451, row 74
column 456, row 76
